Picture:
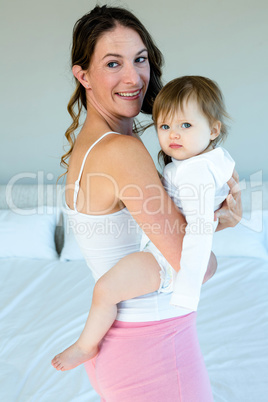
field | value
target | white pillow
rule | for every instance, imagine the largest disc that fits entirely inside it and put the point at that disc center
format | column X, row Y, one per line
column 24, row 233
column 247, row 239
column 70, row 250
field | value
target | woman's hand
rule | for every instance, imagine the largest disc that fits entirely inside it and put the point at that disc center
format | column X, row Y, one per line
column 212, row 267
column 231, row 211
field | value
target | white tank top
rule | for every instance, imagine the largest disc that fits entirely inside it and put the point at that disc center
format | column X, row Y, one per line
column 104, row 240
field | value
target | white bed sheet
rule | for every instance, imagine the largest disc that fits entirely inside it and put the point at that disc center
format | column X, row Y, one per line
column 44, row 304
column 233, row 330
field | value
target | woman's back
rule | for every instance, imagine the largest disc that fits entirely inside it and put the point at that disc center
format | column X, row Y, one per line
column 97, row 193
column 106, row 237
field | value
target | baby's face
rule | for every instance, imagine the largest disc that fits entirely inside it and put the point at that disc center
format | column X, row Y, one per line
column 187, row 133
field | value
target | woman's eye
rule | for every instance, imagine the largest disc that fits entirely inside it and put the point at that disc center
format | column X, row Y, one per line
column 112, row 64
column 141, row 59
column 164, row 127
column 186, row 125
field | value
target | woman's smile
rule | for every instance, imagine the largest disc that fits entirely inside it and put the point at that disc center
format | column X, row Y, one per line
column 130, row 95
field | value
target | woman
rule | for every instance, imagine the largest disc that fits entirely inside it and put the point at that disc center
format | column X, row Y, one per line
column 151, row 353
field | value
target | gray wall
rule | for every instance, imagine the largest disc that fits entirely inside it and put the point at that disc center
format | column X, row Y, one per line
column 223, row 40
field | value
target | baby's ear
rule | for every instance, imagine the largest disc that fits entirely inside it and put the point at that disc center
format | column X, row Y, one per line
column 215, row 130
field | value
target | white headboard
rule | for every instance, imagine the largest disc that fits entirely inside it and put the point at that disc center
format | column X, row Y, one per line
column 254, row 195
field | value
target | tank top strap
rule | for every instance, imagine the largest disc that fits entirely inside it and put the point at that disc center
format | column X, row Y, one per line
column 77, row 183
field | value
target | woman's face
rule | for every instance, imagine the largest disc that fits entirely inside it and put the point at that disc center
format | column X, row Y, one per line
column 119, row 73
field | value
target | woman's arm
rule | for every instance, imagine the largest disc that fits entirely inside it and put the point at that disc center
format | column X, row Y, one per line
column 142, row 192
column 230, row 213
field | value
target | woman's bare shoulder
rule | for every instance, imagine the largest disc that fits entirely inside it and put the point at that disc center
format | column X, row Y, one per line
column 126, row 148
column 128, row 161
column 123, row 140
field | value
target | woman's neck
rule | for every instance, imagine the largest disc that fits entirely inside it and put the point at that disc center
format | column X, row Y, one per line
column 123, row 125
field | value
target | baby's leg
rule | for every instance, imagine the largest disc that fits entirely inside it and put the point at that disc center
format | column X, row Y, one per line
column 134, row 275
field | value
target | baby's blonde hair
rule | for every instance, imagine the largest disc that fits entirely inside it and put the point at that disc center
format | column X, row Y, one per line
column 177, row 92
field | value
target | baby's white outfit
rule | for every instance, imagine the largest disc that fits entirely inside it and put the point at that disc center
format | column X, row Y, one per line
column 198, row 187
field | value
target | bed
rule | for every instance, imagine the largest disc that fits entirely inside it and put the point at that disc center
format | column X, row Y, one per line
column 46, row 291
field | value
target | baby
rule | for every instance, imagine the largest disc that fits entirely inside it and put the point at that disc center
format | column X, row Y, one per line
column 189, row 116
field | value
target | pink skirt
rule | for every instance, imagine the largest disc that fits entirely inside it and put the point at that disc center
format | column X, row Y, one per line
column 158, row 361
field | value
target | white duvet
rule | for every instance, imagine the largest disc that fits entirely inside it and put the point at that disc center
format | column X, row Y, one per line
column 44, row 304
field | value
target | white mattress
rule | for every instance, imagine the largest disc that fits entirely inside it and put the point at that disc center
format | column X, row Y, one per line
column 45, row 307
column 44, row 304
column 233, row 330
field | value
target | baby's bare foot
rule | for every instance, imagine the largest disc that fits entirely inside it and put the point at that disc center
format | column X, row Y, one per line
column 72, row 357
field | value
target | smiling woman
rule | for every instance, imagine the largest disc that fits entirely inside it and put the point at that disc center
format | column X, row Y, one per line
column 88, row 30
column 151, row 353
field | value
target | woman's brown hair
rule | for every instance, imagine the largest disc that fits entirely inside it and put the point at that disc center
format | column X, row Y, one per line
column 206, row 92
column 86, row 33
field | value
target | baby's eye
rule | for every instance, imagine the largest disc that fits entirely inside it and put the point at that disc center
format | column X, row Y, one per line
column 164, row 127
column 186, row 125
column 112, row 64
